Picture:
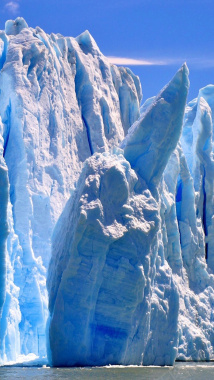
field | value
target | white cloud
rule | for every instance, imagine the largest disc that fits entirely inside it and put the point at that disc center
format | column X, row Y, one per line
column 12, row 6
column 192, row 62
column 137, row 62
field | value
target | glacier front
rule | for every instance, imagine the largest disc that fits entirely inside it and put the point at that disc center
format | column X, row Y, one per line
column 60, row 101
column 110, row 201
column 110, row 235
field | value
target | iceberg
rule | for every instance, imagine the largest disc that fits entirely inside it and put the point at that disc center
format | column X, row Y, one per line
column 107, row 210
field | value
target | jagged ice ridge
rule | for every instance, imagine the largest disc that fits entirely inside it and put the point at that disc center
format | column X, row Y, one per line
column 125, row 192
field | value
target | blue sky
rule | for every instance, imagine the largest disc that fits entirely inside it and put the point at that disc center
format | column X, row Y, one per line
column 165, row 33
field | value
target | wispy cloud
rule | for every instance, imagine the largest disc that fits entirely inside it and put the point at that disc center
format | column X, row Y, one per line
column 194, row 62
column 12, row 6
column 139, row 62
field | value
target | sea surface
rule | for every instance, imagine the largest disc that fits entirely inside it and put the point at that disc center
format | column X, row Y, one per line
column 180, row 371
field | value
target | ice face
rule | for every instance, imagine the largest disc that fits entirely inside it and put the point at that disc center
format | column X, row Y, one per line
column 89, row 277
column 102, row 267
column 60, row 101
column 200, row 130
column 112, row 296
column 194, row 212
column 130, row 279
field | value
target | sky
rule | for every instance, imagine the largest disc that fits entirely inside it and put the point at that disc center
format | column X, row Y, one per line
column 152, row 37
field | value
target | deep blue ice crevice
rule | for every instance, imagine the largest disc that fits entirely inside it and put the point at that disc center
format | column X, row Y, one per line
column 3, row 48
column 4, row 196
column 6, row 129
column 204, row 173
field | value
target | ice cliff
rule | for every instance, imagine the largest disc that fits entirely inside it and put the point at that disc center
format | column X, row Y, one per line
column 124, row 192
column 110, row 235
column 60, row 101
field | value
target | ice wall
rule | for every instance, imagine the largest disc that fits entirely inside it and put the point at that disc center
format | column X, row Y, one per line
column 60, row 101
column 112, row 295
column 197, row 141
column 132, row 259
column 160, row 246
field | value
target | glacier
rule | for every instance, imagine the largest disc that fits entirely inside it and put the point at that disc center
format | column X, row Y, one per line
column 107, row 208
column 109, row 235
column 61, row 100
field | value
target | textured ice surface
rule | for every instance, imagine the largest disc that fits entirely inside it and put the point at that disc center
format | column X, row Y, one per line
column 112, row 296
column 108, row 238
column 129, row 193
column 60, row 101
column 134, row 279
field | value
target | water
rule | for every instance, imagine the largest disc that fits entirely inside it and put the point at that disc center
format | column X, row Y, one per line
column 186, row 371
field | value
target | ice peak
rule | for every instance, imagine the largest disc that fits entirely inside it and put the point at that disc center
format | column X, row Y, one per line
column 14, row 27
column 185, row 67
column 152, row 139
column 178, row 84
column 87, row 42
